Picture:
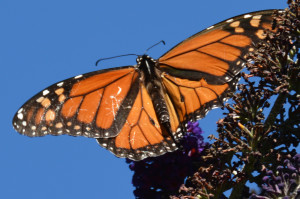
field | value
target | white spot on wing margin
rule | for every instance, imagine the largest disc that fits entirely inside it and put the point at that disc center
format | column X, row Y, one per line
column 78, row 76
column 20, row 116
column 60, row 84
column 45, row 92
column 247, row 16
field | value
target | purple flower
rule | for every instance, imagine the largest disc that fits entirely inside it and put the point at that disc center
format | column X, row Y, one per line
column 193, row 141
column 160, row 177
column 286, row 182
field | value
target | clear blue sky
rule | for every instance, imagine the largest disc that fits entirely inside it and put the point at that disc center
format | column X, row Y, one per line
column 43, row 42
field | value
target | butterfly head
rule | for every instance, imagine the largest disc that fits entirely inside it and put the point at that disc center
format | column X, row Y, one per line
column 144, row 58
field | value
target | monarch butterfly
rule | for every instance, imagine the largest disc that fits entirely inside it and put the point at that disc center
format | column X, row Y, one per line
column 140, row 111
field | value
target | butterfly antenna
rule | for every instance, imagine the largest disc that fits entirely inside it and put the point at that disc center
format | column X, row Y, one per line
column 113, row 57
column 162, row 41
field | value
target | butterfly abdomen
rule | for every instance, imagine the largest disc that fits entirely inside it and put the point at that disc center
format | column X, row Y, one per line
column 152, row 81
column 160, row 106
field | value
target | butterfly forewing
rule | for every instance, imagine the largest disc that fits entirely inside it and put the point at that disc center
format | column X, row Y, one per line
column 217, row 53
column 87, row 105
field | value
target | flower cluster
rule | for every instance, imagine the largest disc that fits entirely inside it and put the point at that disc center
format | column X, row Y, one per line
column 256, row 132
column 285, row 183
column 162, row 176
column 193, row 141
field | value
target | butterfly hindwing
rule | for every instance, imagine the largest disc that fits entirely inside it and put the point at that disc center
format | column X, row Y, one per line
column 141, row 135
column 193, row 99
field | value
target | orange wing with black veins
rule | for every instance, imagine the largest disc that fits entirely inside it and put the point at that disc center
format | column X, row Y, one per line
column 142, row 135
column 200, row 71
column 93, row 105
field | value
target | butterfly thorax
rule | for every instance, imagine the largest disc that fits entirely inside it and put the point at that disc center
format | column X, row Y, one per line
column 151, row 78
column 146, row 65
